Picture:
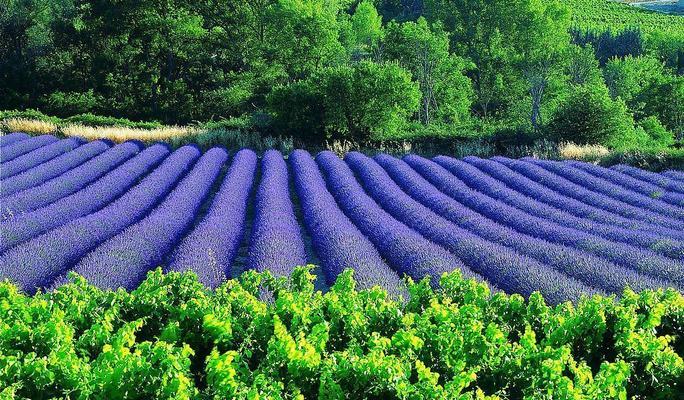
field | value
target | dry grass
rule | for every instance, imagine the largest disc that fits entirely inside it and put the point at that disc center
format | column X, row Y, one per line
column 582, row 152
column 122, row 134
column 28, row 126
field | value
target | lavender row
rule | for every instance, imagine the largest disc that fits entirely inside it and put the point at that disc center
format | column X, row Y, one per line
column 541, row 193
column 276, row 243
column 506, row 269
column 338, row 243
column 616, row 192
column 653, row 178
column 38, row 156
column 678, row 175
column 125, row 259
column 578, row 192
column 494, row 189
column 67, row 183
column 590, row 269
column 630, row 183
column 36, row 263
column 22, row 147
column 405, row 250
column 12, row 138
column 628, row 256
column 83, row 202
column 210, row 249
column 53, row 168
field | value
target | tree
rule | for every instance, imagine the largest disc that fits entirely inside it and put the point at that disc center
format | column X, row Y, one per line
column 358, row 102
column 628, row 77
column 446, row 93
column 590, row 116
column 583, row 67
column 665, row 99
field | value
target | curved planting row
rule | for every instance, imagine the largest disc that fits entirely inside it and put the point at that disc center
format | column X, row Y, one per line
column 524, row 185
column 591, row 270
column 566, row 229
column 51, row 169
column 14, row 150
column 665, row 182
column 67, row 183
column 496, row 190
column 614, row 191
column 638, row 186
column 11, row 138
column 627, row 256
column 39, row 261
column 123, row 261
column 678, row 175
column 90, row 199
column 578, row 192
column 405, row 250
column 506, row 269
column 338, row 243
column 211, row 248
column 38, row 156
column 276, row 243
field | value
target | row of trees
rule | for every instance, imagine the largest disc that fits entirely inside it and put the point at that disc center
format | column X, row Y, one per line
column 318, row 69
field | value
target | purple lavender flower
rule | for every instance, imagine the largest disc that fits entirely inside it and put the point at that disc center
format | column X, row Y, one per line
column 92, row 198
column 276, row 243
column 11, row 138
column 14, row 150
column 38, row 156
column 338, row 243
column 616, row 192
column 678, row 175
column 477, row 180
column 36, row 263
column 211, row 248
column 663, row 182
column 405, row 250
column 51, row 169
column 541, row 193
column 628, row 256
column 506, row 269
column 590, row 269
column 579, row 192
column 125, row 259
column 67, row 183
column 22, row 147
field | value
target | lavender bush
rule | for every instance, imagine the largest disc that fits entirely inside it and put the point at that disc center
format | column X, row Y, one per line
column 67, row 183
column 36, row 263
column 210, row 249
column 51, row 169
column 276, row 243
column 38, row 156
column 90, row 199
column 123, row 261
column 338, row 243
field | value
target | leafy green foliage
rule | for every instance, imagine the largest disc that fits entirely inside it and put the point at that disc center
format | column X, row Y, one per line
column 363, row 101
column 174, row 339
column 590, row 116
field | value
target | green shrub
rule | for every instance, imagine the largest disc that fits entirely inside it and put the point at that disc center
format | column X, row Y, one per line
column 99, row 120
column 590, row 116
column 174, row 339
column 28, row 114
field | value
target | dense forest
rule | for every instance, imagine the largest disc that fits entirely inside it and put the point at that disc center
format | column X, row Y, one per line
column 518, row 70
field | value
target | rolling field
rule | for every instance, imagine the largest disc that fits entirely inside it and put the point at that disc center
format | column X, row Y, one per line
column 113, row 212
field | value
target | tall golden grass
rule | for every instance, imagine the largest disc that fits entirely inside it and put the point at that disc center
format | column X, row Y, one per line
column 582, row 152
column 28, row 126
column 121, row 134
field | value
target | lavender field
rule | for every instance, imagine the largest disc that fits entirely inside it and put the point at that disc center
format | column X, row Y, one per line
column 113, row 212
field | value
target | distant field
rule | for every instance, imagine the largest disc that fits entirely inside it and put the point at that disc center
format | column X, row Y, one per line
column 607, row 14
column 114, row 212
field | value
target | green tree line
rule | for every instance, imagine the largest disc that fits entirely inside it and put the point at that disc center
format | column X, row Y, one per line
column 347, row 69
